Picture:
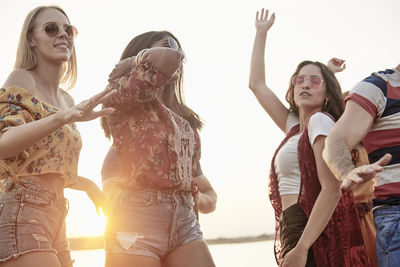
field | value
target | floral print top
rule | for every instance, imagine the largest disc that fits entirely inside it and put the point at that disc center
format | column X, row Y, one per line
column 157, row 148
column 57, row 153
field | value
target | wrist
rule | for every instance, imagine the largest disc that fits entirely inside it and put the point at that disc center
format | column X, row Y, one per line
column 60, row 118
column 302, row 246
column 261, row 33
column 345, row 172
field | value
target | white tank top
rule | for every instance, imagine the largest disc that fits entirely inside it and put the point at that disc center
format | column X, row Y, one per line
column 287, row 160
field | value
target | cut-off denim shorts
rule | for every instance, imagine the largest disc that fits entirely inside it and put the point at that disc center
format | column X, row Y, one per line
column 32, row 219
column 151, row 223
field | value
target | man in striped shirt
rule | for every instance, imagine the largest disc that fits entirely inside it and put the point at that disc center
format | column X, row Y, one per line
column 372, row 115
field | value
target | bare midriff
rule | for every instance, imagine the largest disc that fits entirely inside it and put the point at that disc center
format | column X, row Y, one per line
column 51, row 181
column 289, row 200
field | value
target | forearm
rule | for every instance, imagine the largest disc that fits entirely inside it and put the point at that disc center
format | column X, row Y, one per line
column 23, row 136
column 84, row 184
column 257, row 65
column 167, row 60
column 207, row 201
column 337, row 156
column 320, row 215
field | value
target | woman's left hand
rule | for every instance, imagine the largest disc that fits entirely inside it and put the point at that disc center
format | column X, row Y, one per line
column 297, row 257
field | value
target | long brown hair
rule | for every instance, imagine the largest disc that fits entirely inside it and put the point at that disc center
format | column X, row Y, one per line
column 334, row 104
column 172, row 95
column 26, row 59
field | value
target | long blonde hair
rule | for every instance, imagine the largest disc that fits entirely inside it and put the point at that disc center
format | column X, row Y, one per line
column 26, row 59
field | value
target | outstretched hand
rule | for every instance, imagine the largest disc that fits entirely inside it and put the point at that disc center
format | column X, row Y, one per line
column 365, row 173
column 84, row 110
column 263, row 23
column 336, row 64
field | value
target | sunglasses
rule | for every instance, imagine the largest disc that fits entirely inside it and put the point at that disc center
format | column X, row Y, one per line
column 52, row 29
column 315, row 82
column 172, row 43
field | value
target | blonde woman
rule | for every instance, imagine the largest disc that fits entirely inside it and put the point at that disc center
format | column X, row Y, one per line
column 39, row 142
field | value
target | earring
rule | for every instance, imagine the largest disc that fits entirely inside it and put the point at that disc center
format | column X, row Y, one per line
column 326, row 103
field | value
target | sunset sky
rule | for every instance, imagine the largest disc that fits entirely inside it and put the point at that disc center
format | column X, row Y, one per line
column 239, row 138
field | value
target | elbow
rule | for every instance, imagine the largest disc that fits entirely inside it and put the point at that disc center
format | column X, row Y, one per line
column 208, row 208
column 252, row 85
column 257, row 86
column 208, row 204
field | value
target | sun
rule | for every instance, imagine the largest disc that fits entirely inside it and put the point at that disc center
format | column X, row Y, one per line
column 82, row 219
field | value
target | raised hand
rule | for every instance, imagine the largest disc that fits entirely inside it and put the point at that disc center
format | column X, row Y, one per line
column 365, row 173
column 84, row 110
column 121, row 68
column 336, row 64
column 263, row 23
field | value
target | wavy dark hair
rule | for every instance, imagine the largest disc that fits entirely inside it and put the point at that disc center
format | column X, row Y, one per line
column 173, row 94
column 335, row 105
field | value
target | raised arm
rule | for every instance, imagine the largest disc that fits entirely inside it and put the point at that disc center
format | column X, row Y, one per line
column 165, row 59
column 152, row 70
column 268, row 100
column 19, row 137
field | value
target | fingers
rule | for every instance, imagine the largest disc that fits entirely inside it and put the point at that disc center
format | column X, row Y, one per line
column 346, row 183
column 272, row 18
column 95, row 100
column 92, row 102
column 266, row 14
column 384, row 160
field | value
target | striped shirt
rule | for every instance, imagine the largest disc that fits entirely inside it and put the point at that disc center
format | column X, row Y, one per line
column 379, row 95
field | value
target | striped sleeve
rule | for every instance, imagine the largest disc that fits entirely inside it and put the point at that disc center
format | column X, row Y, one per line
column 370, row 95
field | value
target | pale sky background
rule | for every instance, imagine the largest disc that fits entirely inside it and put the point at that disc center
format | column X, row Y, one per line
column 239, row 138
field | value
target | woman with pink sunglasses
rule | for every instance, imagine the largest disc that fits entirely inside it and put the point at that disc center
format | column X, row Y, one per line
column 316, row 223
column 40, row 144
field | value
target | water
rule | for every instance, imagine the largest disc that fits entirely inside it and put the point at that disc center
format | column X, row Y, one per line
column 254, row 254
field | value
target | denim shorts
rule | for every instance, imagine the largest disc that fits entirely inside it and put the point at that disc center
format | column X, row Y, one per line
column 387, row 222
column 32, row 219
column 151, row 223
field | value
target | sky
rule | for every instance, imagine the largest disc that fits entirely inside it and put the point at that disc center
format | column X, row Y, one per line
column 238, row 139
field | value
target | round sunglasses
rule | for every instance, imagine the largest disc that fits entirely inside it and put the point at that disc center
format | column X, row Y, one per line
column 315, row 82
column 52, row 29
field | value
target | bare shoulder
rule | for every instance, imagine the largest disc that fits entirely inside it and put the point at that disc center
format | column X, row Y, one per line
column 21, row 78
column 67, row 98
